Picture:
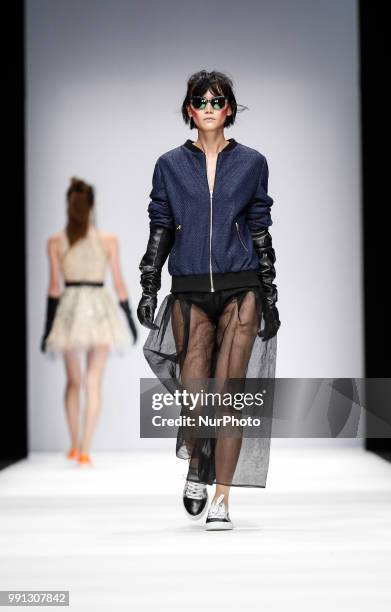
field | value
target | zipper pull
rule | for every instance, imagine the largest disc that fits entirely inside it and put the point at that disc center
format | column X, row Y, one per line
column 179, row 227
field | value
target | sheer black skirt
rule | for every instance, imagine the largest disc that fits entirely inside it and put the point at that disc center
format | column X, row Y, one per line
column 210, row 340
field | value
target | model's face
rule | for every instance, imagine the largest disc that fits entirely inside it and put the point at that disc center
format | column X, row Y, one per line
column 209, row 118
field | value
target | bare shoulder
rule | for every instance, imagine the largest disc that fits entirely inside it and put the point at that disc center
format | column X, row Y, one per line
column 54, row 241
column 109, row 240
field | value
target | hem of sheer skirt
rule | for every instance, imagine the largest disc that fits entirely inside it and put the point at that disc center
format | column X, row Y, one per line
column 227, row 484
column 243, row 486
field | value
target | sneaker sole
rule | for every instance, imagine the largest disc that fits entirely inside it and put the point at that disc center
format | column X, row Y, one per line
column 216, row 526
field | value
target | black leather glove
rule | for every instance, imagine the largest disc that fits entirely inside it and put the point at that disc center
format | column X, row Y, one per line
column 126, row 308
column 51, row 307
column 262, row 242
column 161, row 240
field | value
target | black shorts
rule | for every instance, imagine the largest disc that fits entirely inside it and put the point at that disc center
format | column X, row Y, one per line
column 213, row 303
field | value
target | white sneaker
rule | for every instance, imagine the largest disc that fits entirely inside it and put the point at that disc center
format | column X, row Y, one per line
column 195, row 499
column 218, row 516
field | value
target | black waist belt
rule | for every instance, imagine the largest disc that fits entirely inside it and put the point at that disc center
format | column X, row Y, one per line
column 83, row 284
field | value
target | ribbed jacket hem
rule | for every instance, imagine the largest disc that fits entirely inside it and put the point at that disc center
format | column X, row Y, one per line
column 222, row 280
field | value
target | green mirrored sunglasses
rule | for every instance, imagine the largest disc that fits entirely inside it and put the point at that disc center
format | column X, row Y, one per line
column 217, row 103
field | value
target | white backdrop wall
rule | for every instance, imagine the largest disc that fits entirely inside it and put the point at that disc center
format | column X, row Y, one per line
column 105, row 82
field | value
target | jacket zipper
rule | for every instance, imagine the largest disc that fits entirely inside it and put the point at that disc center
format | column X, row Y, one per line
column 211, row 219
column 240, row 238
column 178, row 229
column 210, row 239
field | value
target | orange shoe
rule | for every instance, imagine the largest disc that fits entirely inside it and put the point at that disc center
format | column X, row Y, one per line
column 73, row 453
column 84, row 459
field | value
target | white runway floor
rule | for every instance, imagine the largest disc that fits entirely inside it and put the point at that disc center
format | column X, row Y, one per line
column 317, row 538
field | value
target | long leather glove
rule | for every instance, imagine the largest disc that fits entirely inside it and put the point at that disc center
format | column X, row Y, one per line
column 51, row 307
column 161, row 240
column 262, row 242
column 128, row 313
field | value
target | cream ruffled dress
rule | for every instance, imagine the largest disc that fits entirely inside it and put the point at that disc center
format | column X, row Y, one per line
column 86, row 316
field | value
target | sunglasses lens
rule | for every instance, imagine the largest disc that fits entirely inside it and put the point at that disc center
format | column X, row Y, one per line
column 218, row 103
column 198, row 102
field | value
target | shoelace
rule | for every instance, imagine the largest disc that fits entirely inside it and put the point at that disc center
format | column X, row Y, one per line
column 217, row 508
column 195, row 490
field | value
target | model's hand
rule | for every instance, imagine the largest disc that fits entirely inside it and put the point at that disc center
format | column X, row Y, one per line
column 146, row 311
column 128, row 312
column 272, row 322
column 51, row 309
column 43, row 344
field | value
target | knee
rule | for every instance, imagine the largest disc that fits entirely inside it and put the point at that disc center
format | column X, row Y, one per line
column 199, row 358
column 74, row 383
column 91, row 380
column 248, row 328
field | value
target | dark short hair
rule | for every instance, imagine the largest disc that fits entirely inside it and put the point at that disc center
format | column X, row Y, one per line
column 218, row 83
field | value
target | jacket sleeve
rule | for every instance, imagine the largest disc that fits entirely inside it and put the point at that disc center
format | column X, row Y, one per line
column 258, row 215
column 159, row 209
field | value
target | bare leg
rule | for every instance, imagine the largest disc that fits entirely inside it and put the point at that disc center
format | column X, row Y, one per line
column 96, row 361
column 236, row 334
column 72, row 395
column 195, row 367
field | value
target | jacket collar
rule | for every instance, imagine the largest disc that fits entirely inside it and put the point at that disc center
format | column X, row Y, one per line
column 192, row 147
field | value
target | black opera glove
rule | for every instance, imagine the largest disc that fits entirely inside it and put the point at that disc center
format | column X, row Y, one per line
column 126, row 308
column 161, row 240
column 51, row 307
column 262, row 242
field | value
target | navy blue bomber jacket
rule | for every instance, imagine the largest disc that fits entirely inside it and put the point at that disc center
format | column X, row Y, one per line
column 213, row 248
